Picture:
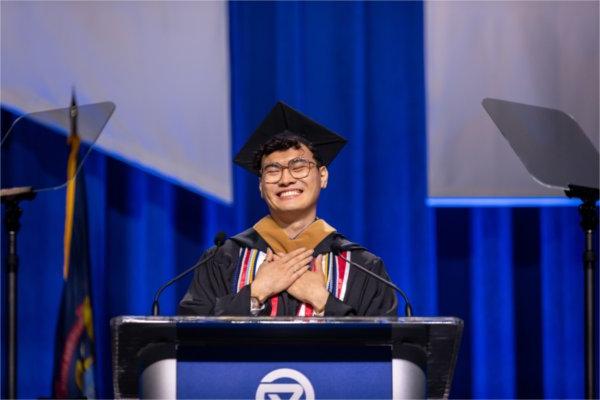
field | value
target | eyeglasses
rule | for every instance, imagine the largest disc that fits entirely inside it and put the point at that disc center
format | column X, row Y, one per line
column 299, row 168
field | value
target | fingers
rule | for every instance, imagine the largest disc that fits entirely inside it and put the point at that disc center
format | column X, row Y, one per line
column 300, row 256
column 303, row 258
column 303, row 263
column 269, row 257
column 319, row 261
column 300, row 271
column 285, row 257
column 300, row 266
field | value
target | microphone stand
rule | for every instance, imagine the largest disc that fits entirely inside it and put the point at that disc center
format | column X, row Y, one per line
column 12, row 215
column 408, row 312
column 155, row 304
column 219, row 240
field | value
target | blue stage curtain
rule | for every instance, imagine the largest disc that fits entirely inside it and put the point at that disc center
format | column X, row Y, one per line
column 358, row 69
column 513, row 275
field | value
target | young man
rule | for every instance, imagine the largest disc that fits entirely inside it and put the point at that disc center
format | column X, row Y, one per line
column 285, row 265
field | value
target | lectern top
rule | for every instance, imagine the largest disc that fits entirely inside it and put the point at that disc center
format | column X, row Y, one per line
column 439, row 339
column 127, row 319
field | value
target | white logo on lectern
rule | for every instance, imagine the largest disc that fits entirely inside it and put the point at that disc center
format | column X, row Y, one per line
column 269, row 389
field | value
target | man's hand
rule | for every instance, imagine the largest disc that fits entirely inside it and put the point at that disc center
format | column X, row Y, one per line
column 311, row 287
column 276, row 274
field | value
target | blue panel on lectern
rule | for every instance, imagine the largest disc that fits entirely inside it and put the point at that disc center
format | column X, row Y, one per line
column 289, row 373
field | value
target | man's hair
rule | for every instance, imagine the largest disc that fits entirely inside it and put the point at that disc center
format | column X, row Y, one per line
column 283, row 142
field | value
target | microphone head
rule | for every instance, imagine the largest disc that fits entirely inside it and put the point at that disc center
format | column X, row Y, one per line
column 220, row 239
column 336, row 247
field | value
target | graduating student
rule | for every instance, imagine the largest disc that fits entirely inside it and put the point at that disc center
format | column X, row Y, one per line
column 285, row 265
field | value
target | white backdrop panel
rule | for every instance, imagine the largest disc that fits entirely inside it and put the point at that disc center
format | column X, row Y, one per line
column 164, row 64
column 543, row 53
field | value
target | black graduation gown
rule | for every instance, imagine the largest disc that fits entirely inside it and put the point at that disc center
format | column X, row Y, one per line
column 212, row 290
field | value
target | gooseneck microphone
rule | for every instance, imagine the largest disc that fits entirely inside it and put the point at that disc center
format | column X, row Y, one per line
column 337, row 249
column 219, row 240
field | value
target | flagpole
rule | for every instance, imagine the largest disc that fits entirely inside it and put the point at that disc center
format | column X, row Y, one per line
column 74, row 354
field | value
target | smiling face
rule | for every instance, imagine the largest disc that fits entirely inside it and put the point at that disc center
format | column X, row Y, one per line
column 290, row 197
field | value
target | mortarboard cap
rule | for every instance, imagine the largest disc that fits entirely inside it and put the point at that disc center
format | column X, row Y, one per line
column 283, row 120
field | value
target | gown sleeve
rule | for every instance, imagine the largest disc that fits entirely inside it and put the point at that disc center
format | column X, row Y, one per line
column 365, row 295
column 210, row 292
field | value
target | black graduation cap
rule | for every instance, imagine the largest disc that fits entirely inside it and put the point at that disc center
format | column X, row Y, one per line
column 283, row 120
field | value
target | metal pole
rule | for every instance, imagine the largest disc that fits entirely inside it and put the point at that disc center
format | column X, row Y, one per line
column 588, row 258
column 588, row 211
column 13, row 263
column 589, row 223
column 13, row 213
